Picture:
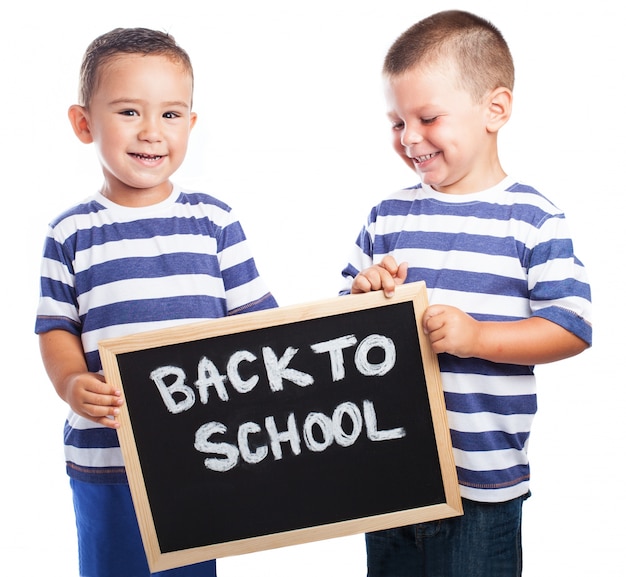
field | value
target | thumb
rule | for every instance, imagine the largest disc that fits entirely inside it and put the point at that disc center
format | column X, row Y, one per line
column 429, row 313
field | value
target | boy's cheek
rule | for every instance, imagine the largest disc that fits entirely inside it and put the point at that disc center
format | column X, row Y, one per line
column 399, row 149
column 397, row 144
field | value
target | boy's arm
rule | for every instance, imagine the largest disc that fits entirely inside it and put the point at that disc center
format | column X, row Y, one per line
column 86, row 393
column 529, row 341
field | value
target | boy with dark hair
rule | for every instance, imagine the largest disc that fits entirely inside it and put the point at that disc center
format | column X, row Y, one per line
column 140, row 254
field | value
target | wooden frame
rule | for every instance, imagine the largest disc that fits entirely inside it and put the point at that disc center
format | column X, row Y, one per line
column 129, row 351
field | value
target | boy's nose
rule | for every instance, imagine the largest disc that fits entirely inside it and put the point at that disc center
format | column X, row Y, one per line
column 150, row 131
column 410, row 135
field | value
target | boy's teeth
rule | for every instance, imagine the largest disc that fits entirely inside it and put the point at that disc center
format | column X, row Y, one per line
column 148, row 156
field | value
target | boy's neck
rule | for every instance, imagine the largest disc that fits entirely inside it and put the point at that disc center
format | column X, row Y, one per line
column 137, row 197
column 475, row 183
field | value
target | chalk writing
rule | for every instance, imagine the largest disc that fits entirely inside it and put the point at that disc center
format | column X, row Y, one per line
column 331, row 429
column 319, row 431
column 277, row 370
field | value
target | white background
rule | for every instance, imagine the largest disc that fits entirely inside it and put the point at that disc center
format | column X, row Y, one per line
column 292, row 133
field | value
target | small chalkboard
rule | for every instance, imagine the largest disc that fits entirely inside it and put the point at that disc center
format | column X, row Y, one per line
column 281, row 427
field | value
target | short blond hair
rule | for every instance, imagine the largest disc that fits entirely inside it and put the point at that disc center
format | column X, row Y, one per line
column 476, row 47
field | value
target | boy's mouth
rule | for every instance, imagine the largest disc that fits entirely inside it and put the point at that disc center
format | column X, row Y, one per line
column 424, row 157
column 147, row 157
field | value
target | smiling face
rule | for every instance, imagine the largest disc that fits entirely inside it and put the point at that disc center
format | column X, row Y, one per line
column 139, row 120
column 441, row 131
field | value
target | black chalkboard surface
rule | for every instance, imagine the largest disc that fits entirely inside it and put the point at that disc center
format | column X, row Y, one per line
column 283, row 426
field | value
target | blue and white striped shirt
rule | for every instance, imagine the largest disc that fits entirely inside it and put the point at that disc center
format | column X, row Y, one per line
column 499, row 255
column 109, row 271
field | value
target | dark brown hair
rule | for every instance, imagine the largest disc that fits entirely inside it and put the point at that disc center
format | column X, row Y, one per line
column 125, row 41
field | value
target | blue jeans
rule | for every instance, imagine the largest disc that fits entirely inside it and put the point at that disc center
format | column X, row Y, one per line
column 486, row 541
column 109, row 542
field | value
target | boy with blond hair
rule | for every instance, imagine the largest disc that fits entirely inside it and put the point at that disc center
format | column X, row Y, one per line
column 506, row 290
column 140, row 254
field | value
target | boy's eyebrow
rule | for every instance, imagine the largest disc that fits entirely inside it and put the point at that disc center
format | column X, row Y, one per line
column 140, row 101
column 393, row 116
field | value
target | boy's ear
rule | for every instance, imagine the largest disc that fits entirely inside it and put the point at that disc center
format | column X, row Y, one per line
column 500, row 105
column 80, row 123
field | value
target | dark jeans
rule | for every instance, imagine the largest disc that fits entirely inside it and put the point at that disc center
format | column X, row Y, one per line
column 486, row 541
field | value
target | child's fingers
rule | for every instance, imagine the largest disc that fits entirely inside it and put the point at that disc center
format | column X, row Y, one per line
column 98, row 387
column 384, row 276
column 98, row 401
column 430, row 322
column 109, row 422
column 100, row 405
column 374, row 279
column 389, row 264
column 403, row 271
column 104, row 410
column 361, row 284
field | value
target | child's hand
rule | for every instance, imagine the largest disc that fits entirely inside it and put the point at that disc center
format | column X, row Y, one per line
column 529, row 341
column 450, row 330
column 384, row 276
column 86, row 393
column 91, row 397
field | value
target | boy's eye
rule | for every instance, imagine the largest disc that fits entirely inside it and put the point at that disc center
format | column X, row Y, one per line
column 171, row 115
column 397, row 125
column 128, row 113
column 430, row 120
